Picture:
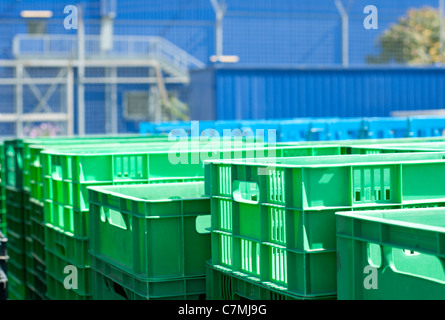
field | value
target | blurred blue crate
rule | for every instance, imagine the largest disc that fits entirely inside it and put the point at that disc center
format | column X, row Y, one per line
column 307, row 129
column 168, row 126
column 267, row 130
column 293, row 130
column 319, row 129
column 147, row 127
column 224, row 125
column 383, row 128
column 344, row 129
column 426, row 126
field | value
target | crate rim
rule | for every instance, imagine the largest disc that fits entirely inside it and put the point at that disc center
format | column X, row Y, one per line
column 370, row 216
column 102, row 190
column 269, row 162
column 205, row 148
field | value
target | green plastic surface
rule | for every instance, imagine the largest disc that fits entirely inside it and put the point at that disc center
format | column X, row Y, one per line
column 222, row 284
column 276, row 223
column 111, row 283
column 151, row 231
column 67, row 176
column 391, row 255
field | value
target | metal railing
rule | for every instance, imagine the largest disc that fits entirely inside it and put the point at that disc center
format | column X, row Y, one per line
column 66, row 47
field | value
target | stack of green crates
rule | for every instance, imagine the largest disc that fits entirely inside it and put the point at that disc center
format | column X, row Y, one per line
column 63, row 198
column 2, row 191
column 15, row 219
column 45, row 186
column 26, row 210
column 67, row 175
column 25, row 171
column 33, row 184
column 273, row 226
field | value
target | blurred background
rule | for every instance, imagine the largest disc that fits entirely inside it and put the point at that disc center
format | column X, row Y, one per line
column 105, row 66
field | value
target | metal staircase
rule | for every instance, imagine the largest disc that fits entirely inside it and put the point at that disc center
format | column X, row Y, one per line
column 174, row 61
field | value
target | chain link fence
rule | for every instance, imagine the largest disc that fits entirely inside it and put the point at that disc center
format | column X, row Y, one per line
column 346, row 33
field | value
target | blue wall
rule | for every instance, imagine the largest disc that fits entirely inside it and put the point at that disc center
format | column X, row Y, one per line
column 230, row 93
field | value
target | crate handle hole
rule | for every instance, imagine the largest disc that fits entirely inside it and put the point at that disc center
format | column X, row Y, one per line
column 375, row 255
column 116, row 289
column 117, row 219
column 410, row 253
column 244, row 191
column 202, row 224
column 103, row 216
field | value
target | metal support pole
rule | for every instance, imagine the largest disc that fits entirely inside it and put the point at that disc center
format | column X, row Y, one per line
column 220, row 10
column 345, row 32
column 81, row 74
column 70, row 100
column 111, row 101
column 19, row 99
column 114, row 109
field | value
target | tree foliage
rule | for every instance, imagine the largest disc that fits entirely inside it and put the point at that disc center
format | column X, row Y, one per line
column 413, row 40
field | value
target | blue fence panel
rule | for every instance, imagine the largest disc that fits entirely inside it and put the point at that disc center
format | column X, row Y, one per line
column 382, row 128
column 307, row 129
column 426, row 127
column 344, row 129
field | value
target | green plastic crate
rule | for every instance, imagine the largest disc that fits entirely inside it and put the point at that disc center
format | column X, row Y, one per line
column 16, row 242
column 30, row 280
column 17, row 257
column 38, row 241
column 61, row 250
column 15, row 220
column 36, row 284
column 330, row 182
column 127, row 164
column 37, row 232
column 57, row 291
column 34, row 151
column 36, row 290
column 151, row 231
column 33, row 147
column 35, row 164
column 16, row 288
column 71, row 248
column 3, row 228
column 396, row 148
column 222, row 284
column 14, row 197
column 27, row 217
column 37, row 182
column 111, row 283
column 74, row 222
column 277, row 223
column 13, row 172
column 68, row 176
column 391, row 255
column 55, row 270
column 14, row 207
